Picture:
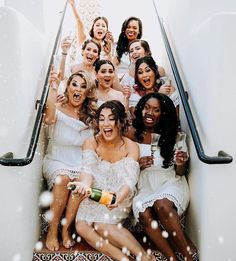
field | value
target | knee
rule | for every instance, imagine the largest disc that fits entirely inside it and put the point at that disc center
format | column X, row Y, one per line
column 81, row 228
column 101, row 229
column 164, row 207
column 62, row 180
column 145, row 219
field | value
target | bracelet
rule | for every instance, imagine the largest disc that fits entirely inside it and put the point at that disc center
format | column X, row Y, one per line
column 64, row 53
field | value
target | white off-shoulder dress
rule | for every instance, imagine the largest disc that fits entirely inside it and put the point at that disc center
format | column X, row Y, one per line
column 110, row 177
column 156, row 183
column 64, row 151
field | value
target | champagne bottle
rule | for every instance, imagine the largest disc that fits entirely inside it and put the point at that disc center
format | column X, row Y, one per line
column 100, row 196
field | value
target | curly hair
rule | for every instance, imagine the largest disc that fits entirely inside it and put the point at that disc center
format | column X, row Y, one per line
column 123, row 42
column 167, row 127
column 118, row 110
column 88, row 110
column 138, row 87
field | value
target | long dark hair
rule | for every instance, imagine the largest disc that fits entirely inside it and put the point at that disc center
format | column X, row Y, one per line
column 88, row 109
column 167, row 127
column 118, row 110
column 91, row 32
column 123, row 42
column 152, row 64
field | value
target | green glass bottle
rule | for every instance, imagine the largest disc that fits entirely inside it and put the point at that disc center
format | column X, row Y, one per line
column 100, row 196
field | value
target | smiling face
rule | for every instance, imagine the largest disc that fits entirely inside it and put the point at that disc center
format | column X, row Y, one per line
column 132, row 30
column 105, row 75
column 99, row 29
column 90, row 54
column 146, row 76
column 151, row 112
column 136, row 51
column 107, row 124
column 76, row 91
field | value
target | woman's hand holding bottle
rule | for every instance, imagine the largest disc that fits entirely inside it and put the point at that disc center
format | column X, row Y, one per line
column 79, row 188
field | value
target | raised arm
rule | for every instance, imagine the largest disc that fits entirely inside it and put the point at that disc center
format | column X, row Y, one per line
column 50, row 110
column 80, row 34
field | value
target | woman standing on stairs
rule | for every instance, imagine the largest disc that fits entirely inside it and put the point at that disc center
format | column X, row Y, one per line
column 101, row 225
column 69, row 127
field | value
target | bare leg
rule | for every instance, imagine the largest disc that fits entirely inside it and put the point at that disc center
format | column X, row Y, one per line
column 155, row 235
column 122, row 238
column 171, row 222
column 96, row 241
column 71, row 210
column 60, row 196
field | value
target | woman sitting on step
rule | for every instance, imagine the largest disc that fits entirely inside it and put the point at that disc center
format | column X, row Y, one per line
column 163, row 192
column 69, row 127
column 101, row 225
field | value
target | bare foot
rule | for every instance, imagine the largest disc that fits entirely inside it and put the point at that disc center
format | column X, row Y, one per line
column 52, row 241
column 67, row 240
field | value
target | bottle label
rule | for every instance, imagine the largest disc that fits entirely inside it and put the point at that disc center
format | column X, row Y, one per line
column 106, row 198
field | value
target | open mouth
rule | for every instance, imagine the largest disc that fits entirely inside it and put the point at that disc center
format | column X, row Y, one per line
column 107, row 81
column 131, row 34
column 76, row 96
column 100, row 34
column 149, row 119
column 107, row 132
column 146, row 81
column 135, row 57
column 89, row 59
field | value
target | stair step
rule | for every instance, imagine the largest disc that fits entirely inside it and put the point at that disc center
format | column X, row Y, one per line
column 80, row 252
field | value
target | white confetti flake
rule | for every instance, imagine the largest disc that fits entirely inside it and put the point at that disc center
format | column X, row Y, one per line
column 45, row 199
column 38, row 246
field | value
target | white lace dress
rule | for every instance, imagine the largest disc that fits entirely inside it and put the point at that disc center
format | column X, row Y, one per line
column 110, row 177
column 158, row 183
column 64, row 152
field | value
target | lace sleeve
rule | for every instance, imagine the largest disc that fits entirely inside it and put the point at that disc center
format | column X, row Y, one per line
column 131, row 173
column 89, row 161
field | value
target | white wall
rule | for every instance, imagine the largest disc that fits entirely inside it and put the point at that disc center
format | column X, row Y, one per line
column 201, row 33
column 26, row 45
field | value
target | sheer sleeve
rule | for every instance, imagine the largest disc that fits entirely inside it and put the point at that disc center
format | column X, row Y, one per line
column 132, row 171
column 89, row 162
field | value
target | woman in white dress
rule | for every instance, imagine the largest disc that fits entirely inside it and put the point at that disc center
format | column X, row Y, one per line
column 131, row 29
column 105, row 75
column 137, row 49
column 147, row 80
column 163, row 193
column 99, row 32
column 101, row 225
column 69, row 127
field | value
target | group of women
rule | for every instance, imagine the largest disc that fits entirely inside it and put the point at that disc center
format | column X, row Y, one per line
column 100, row 135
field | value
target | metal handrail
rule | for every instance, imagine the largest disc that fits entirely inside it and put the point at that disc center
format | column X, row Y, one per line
column 8, row 159
column 223, row 157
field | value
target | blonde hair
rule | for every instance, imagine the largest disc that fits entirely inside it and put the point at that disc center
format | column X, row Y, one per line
column 88, row 110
